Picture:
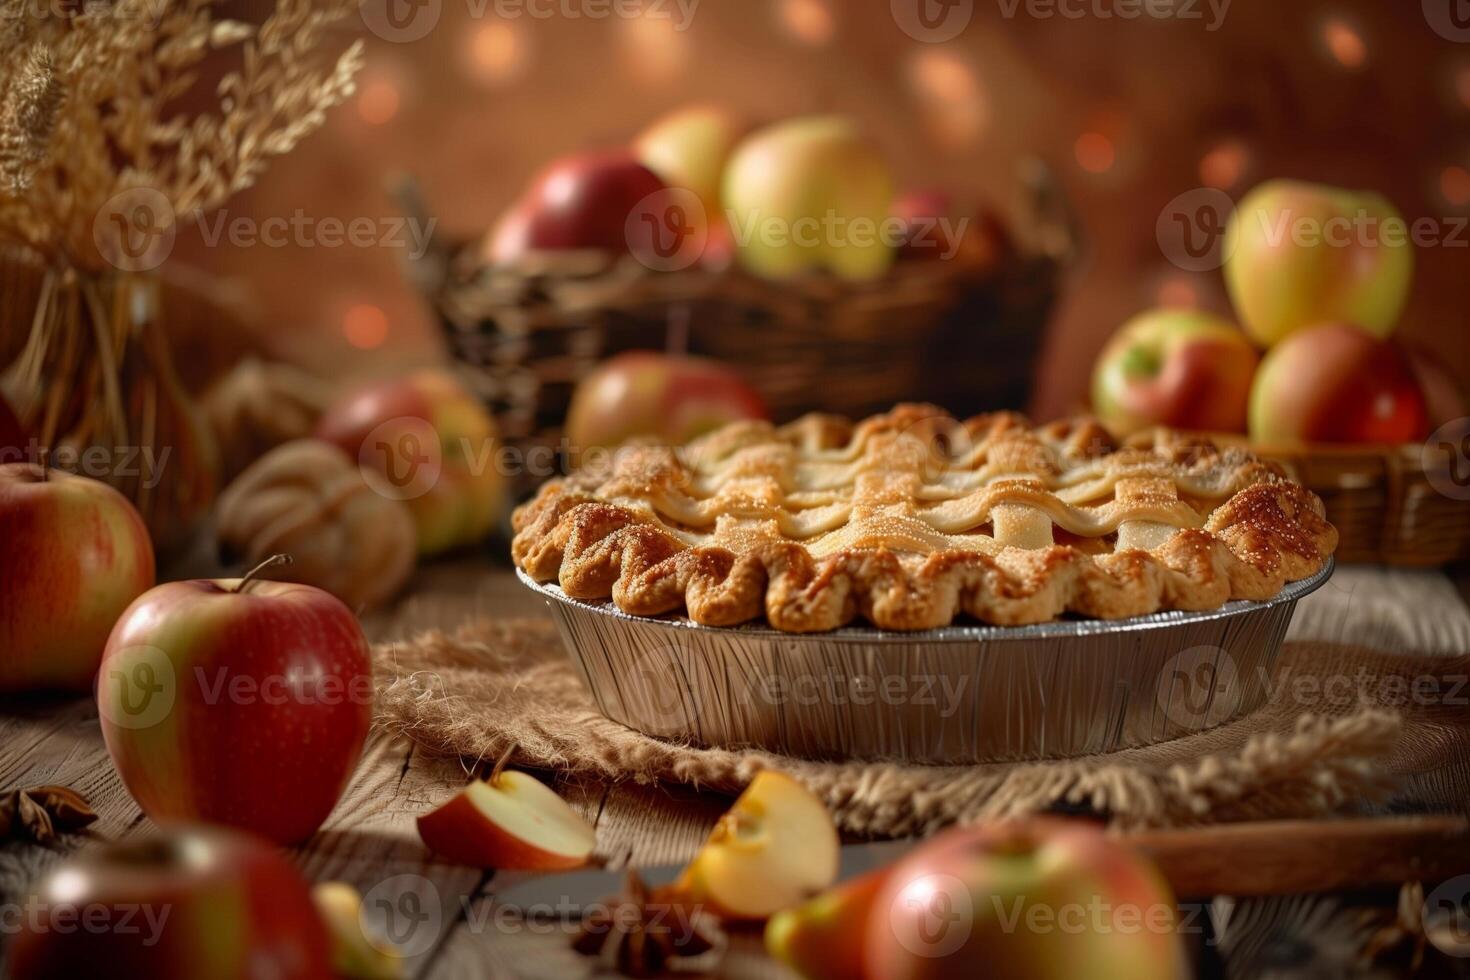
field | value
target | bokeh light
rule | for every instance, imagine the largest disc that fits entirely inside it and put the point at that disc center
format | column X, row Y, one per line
column 1454, row 186
column 1344, row 43
column 378, row 101
column 1095, row 152
column 656, row 51
column 952, row 95
column 365, row 326
column 1224, row 165
column 807, row 21
column 497, row 52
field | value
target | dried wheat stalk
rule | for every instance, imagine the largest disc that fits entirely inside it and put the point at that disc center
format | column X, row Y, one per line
column 90, row 108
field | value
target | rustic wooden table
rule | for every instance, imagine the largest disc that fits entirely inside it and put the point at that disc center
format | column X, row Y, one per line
column 444, row 911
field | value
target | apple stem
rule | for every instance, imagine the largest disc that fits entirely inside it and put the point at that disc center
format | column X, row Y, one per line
column 500, row 765
column 250, row 576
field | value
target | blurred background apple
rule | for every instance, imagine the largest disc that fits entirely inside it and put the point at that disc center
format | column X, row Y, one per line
column 670, row 398
column 810, row 193
column 1301, row 254
column 1182, row 368
column 689, row 148
column 1336, row 383
column 73, row 554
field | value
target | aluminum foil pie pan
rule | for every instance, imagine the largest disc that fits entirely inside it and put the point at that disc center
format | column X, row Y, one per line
column 956, row 695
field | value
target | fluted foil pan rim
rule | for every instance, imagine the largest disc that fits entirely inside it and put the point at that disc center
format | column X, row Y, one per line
column 1291, row 593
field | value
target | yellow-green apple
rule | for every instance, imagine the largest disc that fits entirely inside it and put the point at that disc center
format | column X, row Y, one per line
column 357, row 952
column 237, row 701
column 1042, row 900
column 510, row 820
column 580, row 201
column 75, row 552
column 422, row 438
column 1182, row 368
column 184, row 905
column 823, row 939
column 807, row 194
column 775, row 848
column 1336, row 383
column 671, row 398
column 689, row 148
column 1301, row 254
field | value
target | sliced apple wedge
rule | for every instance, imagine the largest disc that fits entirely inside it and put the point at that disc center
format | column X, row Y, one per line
column 775, row 848
column 511, row 820
column 356, row 953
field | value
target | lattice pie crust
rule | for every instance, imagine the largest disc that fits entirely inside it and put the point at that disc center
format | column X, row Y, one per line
column 911, row 518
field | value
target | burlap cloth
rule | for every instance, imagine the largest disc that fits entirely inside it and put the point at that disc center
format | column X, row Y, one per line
column 1356, row 728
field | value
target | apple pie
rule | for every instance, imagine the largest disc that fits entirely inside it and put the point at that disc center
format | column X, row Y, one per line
column 912, row 519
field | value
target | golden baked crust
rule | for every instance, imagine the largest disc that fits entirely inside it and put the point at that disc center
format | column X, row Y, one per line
column 911, row 518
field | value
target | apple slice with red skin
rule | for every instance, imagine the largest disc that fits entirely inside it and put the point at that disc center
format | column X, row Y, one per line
column 511, row 820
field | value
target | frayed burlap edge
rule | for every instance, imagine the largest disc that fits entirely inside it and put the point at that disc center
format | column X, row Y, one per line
column 505, row 688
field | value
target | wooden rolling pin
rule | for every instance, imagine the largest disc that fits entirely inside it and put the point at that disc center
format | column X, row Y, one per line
column 1289, row 857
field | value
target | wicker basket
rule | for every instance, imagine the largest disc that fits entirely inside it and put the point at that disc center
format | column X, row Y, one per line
column 963, row 336
column 1382, row 501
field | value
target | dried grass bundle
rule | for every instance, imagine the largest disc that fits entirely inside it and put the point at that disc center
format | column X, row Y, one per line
column 92, row 107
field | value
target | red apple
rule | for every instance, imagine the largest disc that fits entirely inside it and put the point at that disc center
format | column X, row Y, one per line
column 671, row 398
column 581, row 201
column 425, row 440
column 1181, row 368
column 823, row 939
column 73, row 554
column 189, row 904
column 1044, row 900
column 510, row 820
column 240, row 702
column 1336, row 383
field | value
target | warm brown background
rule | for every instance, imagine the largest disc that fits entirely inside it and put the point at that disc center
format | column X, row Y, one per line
column 1129, row 113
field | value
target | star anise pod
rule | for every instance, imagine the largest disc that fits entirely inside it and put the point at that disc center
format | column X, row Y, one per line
column 642, row 933
column 41, row 812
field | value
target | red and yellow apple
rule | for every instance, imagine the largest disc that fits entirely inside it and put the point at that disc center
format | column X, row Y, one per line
column 238, row 701
column 1336, row 383
column 580, row 201
column 356, row 953
column 424, row 439
column 1182, row 368
column 1044, row 900
column 1300, row 254
column 667, row 397
column 823, row 939
column 810, row 194
column 775, row 848
column 73, row 553
column 689, row 148
column 511, row 820
column 189, row 904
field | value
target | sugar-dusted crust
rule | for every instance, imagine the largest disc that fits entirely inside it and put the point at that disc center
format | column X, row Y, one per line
column 910, row 519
